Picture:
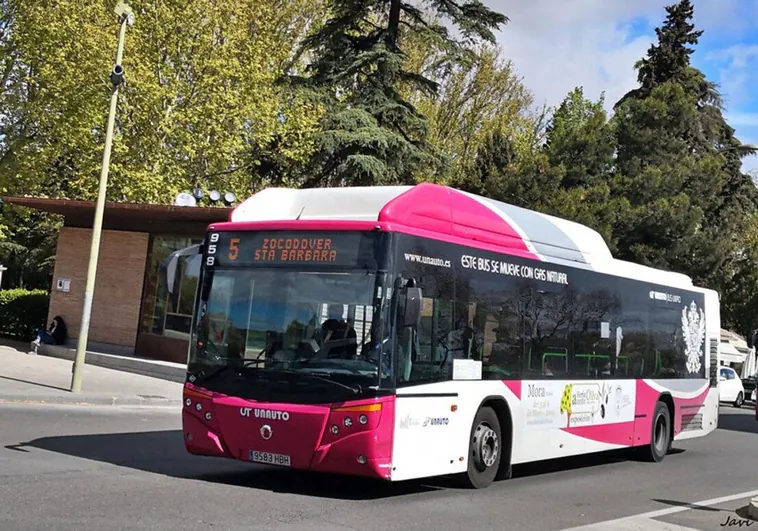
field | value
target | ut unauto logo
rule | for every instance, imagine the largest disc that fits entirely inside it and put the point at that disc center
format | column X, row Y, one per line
column 264, row 414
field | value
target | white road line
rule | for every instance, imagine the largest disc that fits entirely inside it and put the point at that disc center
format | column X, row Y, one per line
column 712, row 501
column 645, row 522
column 632, row 523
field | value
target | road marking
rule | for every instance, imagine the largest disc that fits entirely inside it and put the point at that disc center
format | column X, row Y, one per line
column 632, row 523
column 689, row 506
column 646, row 522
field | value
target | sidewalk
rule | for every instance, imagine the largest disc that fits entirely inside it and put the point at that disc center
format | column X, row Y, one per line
column 42, row 379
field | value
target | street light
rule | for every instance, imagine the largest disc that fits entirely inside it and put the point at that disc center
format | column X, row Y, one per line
column 126, row 16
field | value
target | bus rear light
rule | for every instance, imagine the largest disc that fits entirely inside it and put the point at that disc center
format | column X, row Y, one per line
column 348, row 422
column 335, row 429
column 363, row 419
column 208, row 416
column 362, row 459
column 454, row 408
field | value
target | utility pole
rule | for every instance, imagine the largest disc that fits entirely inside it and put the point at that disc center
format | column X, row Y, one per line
column 126, row 16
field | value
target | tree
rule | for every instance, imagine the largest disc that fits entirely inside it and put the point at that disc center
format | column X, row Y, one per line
column 372, row 134
column 200, row 95
column 28, row 251
column 475, row 100
column 678, row 165
column 579, row 140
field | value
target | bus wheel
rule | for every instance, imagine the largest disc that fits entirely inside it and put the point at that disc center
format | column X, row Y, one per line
column 660, row 441
column 485, row 450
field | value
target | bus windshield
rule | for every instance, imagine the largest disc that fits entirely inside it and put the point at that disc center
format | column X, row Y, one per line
column 285, row 335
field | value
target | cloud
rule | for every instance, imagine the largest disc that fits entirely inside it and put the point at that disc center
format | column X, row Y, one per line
column 557, row 46
column 593, row 43
column 737, row 68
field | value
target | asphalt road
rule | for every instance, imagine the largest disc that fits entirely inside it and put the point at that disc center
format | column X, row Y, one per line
column 82, row 468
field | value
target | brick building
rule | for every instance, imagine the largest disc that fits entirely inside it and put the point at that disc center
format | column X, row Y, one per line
column 132, row 311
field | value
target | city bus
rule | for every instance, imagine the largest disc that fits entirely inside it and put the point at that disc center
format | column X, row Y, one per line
column 405, row 332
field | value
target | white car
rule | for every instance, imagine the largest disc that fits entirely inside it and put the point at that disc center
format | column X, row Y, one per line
column 730, row 387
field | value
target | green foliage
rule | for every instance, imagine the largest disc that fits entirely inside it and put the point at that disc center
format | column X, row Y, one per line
column 23, row 312
column 28, row 251
column 580, row 141
column 199, row 102
column 679, row 166
column 359, row 68
column 477, row 99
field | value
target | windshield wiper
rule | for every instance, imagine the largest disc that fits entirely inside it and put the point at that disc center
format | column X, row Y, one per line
column 356, row 389
column 234, row 365
column 353, row 389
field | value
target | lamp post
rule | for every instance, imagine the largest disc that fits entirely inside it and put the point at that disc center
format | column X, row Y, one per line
column 126, row 16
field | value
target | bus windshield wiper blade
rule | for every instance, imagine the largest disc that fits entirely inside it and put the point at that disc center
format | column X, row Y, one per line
column 218, row 370
column 355, row 390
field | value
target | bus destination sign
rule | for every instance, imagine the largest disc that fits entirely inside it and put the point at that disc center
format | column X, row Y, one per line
column 295, row 249
column 279, row 248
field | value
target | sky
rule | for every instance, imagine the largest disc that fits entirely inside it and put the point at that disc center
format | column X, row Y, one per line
column 556, row 45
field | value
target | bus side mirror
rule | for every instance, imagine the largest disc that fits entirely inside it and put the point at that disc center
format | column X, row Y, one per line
column 411, row 312
column 171, row 264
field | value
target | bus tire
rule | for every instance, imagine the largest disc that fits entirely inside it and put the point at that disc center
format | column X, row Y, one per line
column 485, row 450
column 660, row 437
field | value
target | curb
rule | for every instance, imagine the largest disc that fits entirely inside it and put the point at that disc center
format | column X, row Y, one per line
column 752, row 508
column 93, row 400
column 161, row 370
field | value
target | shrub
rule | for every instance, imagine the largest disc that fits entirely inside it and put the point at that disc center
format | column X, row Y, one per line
column 23, row 312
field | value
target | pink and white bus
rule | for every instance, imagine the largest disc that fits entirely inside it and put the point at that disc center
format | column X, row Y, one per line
column 416, row 331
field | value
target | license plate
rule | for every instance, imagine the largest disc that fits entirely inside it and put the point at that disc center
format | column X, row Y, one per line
column 269, row 458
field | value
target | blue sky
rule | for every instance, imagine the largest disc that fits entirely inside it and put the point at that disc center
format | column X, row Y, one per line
column 559, row 44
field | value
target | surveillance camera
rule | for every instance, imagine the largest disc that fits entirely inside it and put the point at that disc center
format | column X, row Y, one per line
column 117, row 75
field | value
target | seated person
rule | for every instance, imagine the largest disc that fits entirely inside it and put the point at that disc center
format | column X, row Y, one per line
column 340, row 339
column 54, row 335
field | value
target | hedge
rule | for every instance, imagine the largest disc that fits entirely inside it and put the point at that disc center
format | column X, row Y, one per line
column 23, row 312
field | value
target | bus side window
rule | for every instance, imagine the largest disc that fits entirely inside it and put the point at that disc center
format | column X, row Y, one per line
column 548, row 312
column 671, row 360
column 491, row 307
column 429, row 349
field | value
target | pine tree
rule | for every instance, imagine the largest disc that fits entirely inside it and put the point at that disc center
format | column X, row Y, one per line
column 371, row 134
column 678, row 164
column 669, row 60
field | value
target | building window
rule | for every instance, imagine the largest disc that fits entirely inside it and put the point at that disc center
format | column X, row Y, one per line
column 164, row 313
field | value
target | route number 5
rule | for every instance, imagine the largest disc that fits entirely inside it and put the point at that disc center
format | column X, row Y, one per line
column 234, row 249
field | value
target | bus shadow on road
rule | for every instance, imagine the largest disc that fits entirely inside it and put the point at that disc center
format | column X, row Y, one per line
column 567, row 464
column 163, row 452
